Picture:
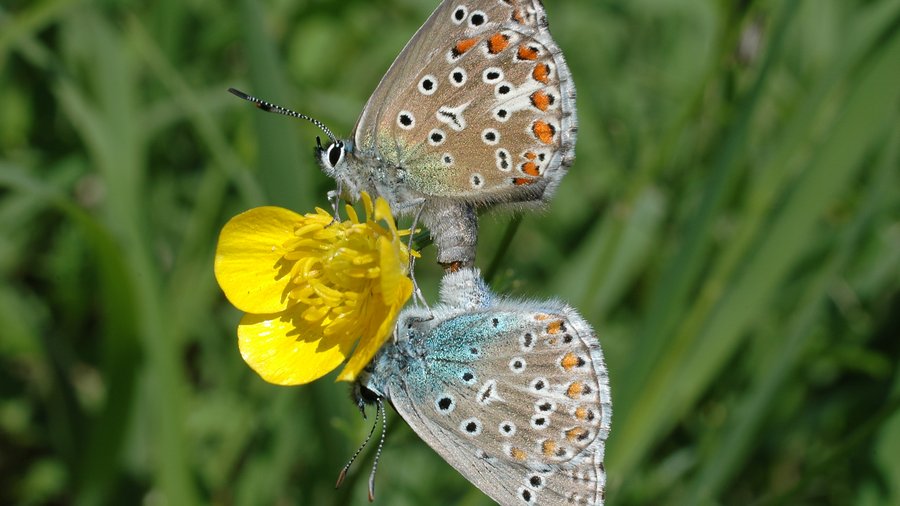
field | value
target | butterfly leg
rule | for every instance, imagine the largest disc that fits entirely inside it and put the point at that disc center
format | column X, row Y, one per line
column 334, row 196
column 412, row 259
column 403, row 208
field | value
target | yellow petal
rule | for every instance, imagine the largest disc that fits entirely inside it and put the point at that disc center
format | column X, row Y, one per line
column 365, row 352
column 249, row 265
column 351, row 213
column 396, row 290
column 391, row 270
column 284, row 350
column 367, row 205
column 383, row 213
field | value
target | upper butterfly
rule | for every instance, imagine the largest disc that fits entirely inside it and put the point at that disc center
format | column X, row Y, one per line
column 478, row 110
column 513, row 394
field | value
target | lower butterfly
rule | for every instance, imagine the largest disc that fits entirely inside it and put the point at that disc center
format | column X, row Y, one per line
column 513, row 394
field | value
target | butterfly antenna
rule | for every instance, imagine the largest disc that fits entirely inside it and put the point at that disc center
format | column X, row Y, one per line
column 380, row 407
column 343, row 473
column 270, row 107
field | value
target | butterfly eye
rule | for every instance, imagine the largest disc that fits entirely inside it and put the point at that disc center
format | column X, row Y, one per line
column 335, row 153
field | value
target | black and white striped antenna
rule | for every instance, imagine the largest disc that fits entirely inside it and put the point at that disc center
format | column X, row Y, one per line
column 270, row 107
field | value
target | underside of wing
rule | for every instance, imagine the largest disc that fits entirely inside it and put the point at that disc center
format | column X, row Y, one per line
column 479, row 106
column 516, row 398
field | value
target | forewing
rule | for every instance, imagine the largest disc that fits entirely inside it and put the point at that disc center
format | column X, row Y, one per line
column 479, row 105
column 515, row 398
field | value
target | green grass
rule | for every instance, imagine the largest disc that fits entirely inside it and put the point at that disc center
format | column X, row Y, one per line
column 731, row 227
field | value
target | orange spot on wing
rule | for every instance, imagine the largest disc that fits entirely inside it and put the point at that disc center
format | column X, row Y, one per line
column 531, row 156
column 541, row 317
column 543, row 131
column 540, row 100
column 518, row 17
column 554, row 327
column 517, row 453
column 527, row 53
column 576, row 434
column 464, row 45
column 581, row 413
column 497, row 43
column 541, row 73
column 531, row 169
column 575, row 389
column 569, row 361
column 549, row 447
column 522, row 181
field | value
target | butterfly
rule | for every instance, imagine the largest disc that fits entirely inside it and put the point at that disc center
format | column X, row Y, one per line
column 478, row 110
column 513, row 394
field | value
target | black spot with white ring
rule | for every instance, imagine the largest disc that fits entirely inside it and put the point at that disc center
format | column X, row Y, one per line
column 526, row 495
column 517, row 365
column 536, row 482
column 406, row 120
column 447, row 159
column 470, row 426
column 428, row 85
column 539, row 384
column 445, row 404
column 490, row 136
column 492, row 75
column 503, row 89
column 503, row 160
column 468, row 378
column 544, row 406
column 477, row 180
column 437, row 137
column 540, row 422
column 459, row 15
column 507, row 428
column 501, row 115
column 477, row 19
column 458, row 77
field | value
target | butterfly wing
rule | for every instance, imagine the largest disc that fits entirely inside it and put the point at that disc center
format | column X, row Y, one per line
column 479, row 106
column 515, row 397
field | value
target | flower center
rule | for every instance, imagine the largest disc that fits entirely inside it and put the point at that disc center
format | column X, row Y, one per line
column 334, row 272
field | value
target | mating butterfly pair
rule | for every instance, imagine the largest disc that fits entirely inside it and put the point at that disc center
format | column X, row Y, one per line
column 477, row 111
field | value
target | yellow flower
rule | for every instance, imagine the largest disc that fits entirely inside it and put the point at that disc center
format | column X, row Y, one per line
column 312, row 288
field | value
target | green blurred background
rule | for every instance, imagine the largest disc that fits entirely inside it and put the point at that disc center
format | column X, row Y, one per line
column 731, row 227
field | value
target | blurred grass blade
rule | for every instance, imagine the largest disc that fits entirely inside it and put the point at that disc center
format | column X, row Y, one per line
column 671, row 297
column 285, row 171
column 117, row 148
column 732, row 445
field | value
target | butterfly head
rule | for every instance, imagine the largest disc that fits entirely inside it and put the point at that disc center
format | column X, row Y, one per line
column 363, row 395
column 333, row 157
